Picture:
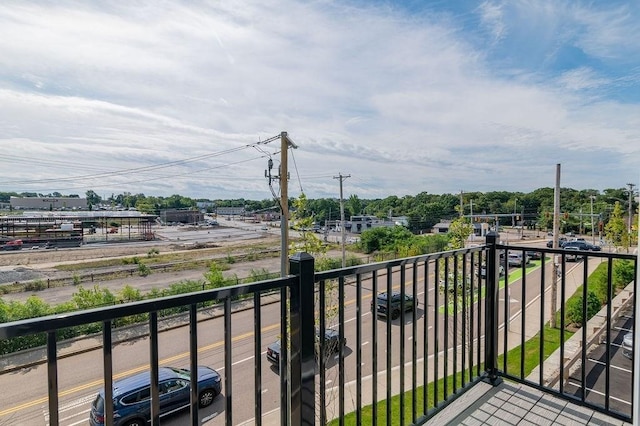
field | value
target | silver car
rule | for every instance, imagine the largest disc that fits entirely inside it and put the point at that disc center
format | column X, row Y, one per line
column 627, row 345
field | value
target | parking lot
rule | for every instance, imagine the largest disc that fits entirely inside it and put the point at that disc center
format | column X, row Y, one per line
column 620, row 374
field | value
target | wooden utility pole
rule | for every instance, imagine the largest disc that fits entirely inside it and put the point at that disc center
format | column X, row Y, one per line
column 285, row 143
column 342, row 230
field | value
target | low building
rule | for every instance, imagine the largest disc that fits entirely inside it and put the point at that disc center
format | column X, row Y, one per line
column 181, row 216
column 358, row 224
column 48, row 203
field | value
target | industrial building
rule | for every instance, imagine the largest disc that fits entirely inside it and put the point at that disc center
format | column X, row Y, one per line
column 48, row 203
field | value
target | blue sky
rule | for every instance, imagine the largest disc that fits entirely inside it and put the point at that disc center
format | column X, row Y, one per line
column 171, row 97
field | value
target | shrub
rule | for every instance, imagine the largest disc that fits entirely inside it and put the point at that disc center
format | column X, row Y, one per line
column 143, row 270
column 574, row 307
column 36, row 285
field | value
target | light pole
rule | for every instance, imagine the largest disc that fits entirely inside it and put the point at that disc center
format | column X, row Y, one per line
column 515, row 205
column 593, row 232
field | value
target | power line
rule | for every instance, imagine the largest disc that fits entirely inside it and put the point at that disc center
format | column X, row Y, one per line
column 126, row 172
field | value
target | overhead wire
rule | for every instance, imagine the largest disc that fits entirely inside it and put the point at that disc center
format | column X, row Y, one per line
column 143, row 169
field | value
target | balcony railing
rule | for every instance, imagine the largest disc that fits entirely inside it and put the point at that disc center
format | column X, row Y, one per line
column 460, row 320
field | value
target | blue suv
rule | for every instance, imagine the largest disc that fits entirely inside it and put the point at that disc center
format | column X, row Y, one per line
column 132, row 395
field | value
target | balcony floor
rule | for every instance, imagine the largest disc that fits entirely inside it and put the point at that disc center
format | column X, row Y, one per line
column 515, row 404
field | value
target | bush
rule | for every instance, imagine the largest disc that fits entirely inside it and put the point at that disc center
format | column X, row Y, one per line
column 143, row 270
column 574, row 307
column 36, row 285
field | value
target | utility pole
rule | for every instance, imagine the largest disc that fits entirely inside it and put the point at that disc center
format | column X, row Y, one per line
column 593, row 232
column 631, row 193
column 341, row 177
column 461, row 203
column 556, row 230
column 285, row 143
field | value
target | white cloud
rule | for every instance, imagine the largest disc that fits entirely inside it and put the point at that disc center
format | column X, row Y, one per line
column 404, row 101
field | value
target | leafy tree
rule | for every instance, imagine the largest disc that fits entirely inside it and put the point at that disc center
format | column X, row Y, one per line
column 384, row 238
column 308, row 241
column 93, row 198
column 214, row 276
column 354, row 205
column 616, row 230
column 93, row 298
column 459, row 231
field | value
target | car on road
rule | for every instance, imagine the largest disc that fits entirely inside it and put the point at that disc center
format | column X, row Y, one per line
column 534, row 254
column 561, row 241
column 627, row 345
column 331, row 342
column 573, row 254
column 581, row 245
column 397, row 305
column 132, row 395
column 517, row 259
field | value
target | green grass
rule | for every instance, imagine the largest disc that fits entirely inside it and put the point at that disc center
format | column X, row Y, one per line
column 513, row 276
column 551, row 343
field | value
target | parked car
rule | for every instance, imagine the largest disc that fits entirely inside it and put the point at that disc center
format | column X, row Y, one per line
column 397, row 305
column 517, row 259
column 331, row 342
column 132, row 395
column 627, row 345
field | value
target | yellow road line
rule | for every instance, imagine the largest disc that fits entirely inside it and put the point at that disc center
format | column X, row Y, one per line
column 95, row 383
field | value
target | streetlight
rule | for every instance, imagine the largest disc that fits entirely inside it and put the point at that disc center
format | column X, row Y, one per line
column 515, row 204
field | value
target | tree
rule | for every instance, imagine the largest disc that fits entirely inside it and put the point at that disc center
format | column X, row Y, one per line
column 459, row 231
column 354, row 205
column 93, row 198
column 616, row 230
column 308, row 241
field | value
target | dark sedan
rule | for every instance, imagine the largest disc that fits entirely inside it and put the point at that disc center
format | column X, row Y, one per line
column 331, row 342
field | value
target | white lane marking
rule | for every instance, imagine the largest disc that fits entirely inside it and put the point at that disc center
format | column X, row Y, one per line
column 597, row 392
column 595, row 361
column 242, row 360
column 212, row 416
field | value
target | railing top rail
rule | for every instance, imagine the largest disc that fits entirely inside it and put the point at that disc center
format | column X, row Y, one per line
column 70, row 319
column 371, row 267
column 590, row 253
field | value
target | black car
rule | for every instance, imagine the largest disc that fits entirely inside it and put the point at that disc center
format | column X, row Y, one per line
column 331, row 343
column 561, row 242
column 534, row 255
column 397, row 305
column 581, row 245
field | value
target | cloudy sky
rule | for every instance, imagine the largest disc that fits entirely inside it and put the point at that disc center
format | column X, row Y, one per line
column 182, row 97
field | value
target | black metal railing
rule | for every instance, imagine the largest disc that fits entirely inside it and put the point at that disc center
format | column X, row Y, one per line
column 593, row 292
column 448, row 321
